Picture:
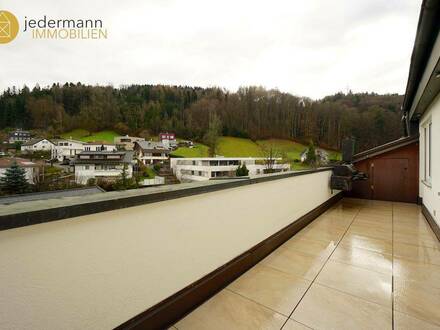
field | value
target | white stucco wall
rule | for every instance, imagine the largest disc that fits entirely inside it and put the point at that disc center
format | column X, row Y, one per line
column 44, row 145
column 431, row 192
column 97, row 271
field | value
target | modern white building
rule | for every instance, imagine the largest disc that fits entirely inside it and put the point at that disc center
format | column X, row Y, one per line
column 151, row 152
column 201, row 169
column 31, row 169
column 99, row 146
column 66, row 149
column 421, row 107
column 37, row 145
column 102, row 165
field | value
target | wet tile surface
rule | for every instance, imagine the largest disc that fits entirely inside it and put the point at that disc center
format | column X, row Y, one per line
column 360, row 265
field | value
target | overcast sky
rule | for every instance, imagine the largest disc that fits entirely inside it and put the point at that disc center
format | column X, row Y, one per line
column 309, row 47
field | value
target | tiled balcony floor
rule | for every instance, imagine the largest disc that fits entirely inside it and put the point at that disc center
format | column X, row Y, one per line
column 360, row 265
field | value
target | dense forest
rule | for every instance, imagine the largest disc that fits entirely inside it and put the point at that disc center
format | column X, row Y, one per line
column 252, row 112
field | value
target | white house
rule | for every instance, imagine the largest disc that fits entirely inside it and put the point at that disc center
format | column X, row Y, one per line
column 168, row 140
column 126, row 142
column 151, row 152
column 102, row 165
column 31, row 169
column 37, row 145
column 201, row 169
column 421, row 108
column 99, row 146
column 66, row 149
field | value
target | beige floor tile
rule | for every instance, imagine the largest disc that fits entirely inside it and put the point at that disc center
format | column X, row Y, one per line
column 418, row 300
column 227, row 310
column 374, row 222
column 375, row 217
column 366, row 284
column 416, row 253
column 406, row 322
column 313, row 247
column 320, row 235
column 371, row 231
column 320, row 228
column 294, row 262
column 409, row 219
column 375, row 261
column 330, row 224
column 325, row 308
column 272, row 288
column 415, row 271
column 369, row 243
column 425, row 240
column 293, row 325
column 411, row 228
column 375, row 212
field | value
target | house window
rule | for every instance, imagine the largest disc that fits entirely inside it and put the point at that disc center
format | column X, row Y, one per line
column 87, row 167
column 427, row 148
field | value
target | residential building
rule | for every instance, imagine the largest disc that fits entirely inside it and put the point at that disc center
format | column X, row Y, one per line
column 102, row 165
column 126, row 142
column 40, row 144
column 30, row 168
column 168, row 140
column 421, row 106
column 99, row 146
column 19, row 136
column 151, row 152
column 66, row 149
column 202, row 169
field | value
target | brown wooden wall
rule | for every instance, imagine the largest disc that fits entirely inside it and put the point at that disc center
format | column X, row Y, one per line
column 392, row 176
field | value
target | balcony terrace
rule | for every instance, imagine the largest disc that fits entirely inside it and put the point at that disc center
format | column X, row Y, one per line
column 145, row 259
column 360, row 265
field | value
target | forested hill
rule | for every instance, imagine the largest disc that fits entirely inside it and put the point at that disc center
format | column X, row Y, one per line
column 252, row 112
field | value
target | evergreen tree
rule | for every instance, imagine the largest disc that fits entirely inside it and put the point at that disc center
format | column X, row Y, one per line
column 14, row 180
column 242, row 171
column 311, row 154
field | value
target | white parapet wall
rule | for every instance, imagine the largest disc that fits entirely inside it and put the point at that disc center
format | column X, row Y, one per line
column 99, row 270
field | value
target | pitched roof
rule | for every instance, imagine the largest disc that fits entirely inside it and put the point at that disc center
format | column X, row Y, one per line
column 34, row 141
column 8, row 161
column 385, row 148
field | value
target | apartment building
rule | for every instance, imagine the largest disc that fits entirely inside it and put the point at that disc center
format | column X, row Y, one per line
column 102, row 165
column 201, row 169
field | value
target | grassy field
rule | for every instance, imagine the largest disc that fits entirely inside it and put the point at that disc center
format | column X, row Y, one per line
column 237, row 147
column 86, row 136
column 199, row 150
column 287, row 149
